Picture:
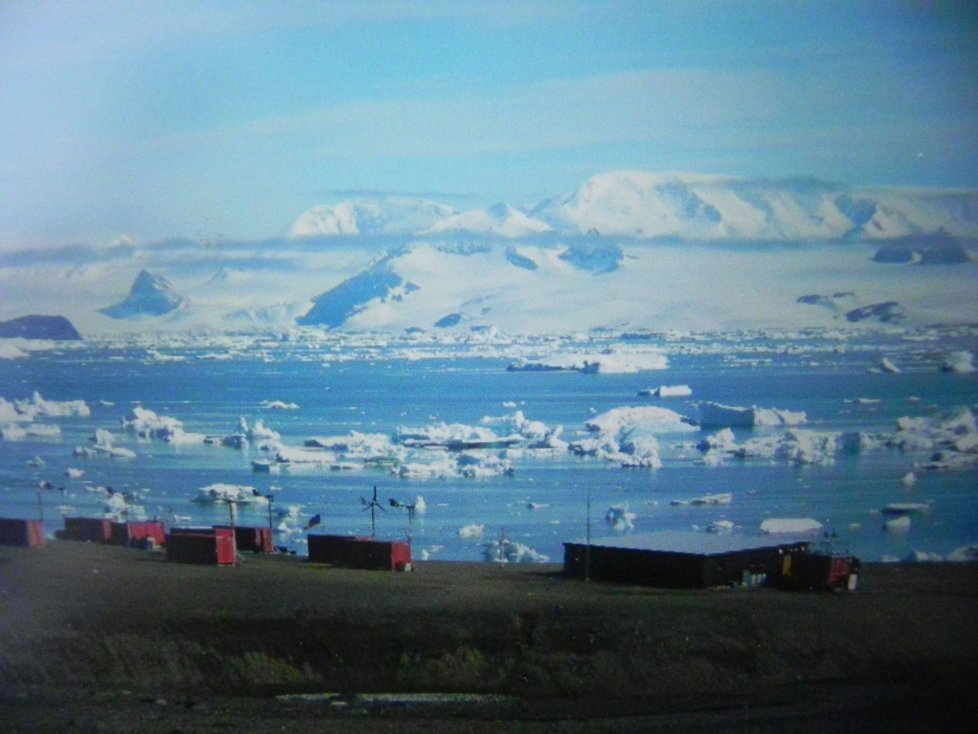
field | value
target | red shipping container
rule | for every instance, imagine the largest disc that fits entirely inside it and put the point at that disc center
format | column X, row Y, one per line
column 208, row 546
column 23, row 533
column 252, row 539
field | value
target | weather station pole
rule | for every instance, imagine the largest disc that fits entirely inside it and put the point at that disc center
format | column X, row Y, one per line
column 587, row 548
column 372, row 505
column 410, row 512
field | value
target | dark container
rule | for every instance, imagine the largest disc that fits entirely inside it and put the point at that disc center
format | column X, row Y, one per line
column 89, row 529
column 359, row 552
column 23, row 533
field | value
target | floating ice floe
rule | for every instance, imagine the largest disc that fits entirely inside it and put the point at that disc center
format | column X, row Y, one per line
column 505, row 550
column 264, row 438
column 26, row 411
column 787, row 525
column 11, row 351
column 723, row 498
column 533, row 434
column 145, row 423
column 73, row 473
column 22, row 432
column 952, row 439
column 469, row 532
column 608, row 362
column 961, row 362
column 229, row 493
column 720, row 526
column 718, row 414
column 667, row 391
column 278, row 405
column 964, row 553
column 897, row 524
column 103, row 443
column 906, row 508
column 628, row 435
column 454, row 437
column 356, row 445
column 620, row 517
column 886, row 365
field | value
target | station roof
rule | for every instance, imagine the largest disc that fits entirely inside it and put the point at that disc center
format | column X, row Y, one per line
column 697, row 543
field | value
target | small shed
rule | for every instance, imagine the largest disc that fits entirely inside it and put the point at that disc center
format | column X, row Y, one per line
column 360, row 552
column 252, row 539
column 23, row 533
column 681, row 559
column 205, row 546
column 89, row 529
column 139, row 533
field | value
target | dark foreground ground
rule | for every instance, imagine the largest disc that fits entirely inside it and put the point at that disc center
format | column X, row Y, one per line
column 100, row 638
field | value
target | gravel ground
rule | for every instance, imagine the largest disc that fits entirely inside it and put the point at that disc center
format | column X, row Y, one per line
column 100, row 638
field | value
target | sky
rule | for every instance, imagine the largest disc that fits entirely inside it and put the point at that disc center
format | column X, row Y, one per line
column 213, row 120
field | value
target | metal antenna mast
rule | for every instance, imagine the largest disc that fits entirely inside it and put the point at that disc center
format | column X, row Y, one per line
column 372, row 505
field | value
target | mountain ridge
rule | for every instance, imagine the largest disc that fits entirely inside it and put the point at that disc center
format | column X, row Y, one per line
column 688, row 206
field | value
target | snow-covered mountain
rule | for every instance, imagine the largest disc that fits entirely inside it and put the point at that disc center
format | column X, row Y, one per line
column 384, row 216
column 627, row 250
column 642, row 205
column 499, row 219
column 555, row 288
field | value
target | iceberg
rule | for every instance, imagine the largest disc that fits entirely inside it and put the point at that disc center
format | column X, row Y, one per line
column 667, row 391
column 718, row 414
column 147, row 424
column 964, row 553
column 229, row 493
column 11, row 351
column 469, row 532
column 887, row 365
column 620, row 517
column 961, row 362
column 505, row 550
column 278, row 405
column 103, row 443
column 606, row 362
column 784, row 525
column 649, row 419
column 38, row 407
column 897, row 524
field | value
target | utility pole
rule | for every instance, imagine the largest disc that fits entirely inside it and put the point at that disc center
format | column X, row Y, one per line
column 587, row 549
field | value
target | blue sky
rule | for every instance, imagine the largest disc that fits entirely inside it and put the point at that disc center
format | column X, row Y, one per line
column 211, row 119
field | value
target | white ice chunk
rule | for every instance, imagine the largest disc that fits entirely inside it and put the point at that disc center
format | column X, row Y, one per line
column 471, row 531
column 959, row 362
column 230, row 493
column 718, row 414
column 779, row 525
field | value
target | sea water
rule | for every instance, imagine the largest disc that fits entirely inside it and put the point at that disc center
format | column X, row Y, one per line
column 335, row 386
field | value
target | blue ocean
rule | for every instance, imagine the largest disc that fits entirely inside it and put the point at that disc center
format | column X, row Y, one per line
column 909, row 449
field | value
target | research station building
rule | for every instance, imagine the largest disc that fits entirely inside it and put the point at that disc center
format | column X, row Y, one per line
column 682, row 559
